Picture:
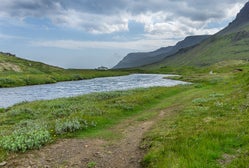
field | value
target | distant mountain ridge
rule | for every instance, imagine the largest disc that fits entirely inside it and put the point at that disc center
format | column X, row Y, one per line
column 144, row 58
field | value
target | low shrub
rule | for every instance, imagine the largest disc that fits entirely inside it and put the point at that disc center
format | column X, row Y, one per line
column 69, row 125
column 200, row 101
column 25, row 139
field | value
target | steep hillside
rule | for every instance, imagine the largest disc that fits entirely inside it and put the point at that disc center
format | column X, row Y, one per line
column 11, row 63
column 230, row 43
column 143, row 58
column 16, row 71
column 241, row 21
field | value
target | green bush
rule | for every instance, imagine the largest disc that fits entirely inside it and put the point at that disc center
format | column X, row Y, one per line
column 200, row 100
column 2, row 110
column 68, row 125
column 25, row 139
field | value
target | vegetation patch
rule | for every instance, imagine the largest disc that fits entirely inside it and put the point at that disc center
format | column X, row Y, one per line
column 25, row 138
column 206, row 123
column 31, row 125
column 209, row 130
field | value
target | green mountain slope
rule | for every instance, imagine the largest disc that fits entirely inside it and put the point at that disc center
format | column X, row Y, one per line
column 133, row 60
column 229, row 44
column 10, row 63
column 215, row 49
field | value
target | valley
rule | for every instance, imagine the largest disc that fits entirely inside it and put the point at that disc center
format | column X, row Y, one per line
column 202, row 124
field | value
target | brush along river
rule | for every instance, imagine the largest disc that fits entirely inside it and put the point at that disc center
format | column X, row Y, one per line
column 11, row 96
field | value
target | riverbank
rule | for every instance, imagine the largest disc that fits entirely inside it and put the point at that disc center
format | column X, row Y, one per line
column 14, row 79
column 16, row 71
column 204, row 124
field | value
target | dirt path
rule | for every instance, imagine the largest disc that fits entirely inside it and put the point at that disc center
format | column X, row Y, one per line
column 98, row 153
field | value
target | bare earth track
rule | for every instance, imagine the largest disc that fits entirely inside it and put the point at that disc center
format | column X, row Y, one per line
column 89, row 152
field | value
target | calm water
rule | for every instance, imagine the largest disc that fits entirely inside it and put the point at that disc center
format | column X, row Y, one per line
column 11, row 96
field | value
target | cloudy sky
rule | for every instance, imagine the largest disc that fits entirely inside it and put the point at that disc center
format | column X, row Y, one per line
column 91, row 33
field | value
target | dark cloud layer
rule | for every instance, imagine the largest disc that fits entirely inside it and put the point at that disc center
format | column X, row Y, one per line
column 107, row 16
column 190, row 8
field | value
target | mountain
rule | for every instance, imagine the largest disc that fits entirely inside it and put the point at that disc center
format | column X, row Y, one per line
column 231, row 43
column 143, row 58
column 242, row 19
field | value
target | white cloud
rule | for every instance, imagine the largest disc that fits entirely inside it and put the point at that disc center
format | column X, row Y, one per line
column 92, row 23
column 142, row 45
column 6, row 36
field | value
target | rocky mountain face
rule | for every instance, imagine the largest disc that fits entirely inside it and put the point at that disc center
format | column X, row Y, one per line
column 139, row 59
column 242, row 19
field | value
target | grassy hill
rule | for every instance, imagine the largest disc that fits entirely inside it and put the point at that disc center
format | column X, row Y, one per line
column 15, row 71
column 215, row 49
column 11, row 63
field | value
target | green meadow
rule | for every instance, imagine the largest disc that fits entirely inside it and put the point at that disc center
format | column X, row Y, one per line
column 207, row 122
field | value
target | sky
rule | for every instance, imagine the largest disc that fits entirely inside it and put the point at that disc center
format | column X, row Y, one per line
column 93, row 33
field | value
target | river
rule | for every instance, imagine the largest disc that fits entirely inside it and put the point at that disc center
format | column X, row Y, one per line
column 11, row 96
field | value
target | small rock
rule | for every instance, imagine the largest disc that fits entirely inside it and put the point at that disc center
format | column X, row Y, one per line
column 97, row 154
column 86, row 146
column 85, row 160
column 49, row 160
column 109, row 152
column 31, row 163
column 3, row 164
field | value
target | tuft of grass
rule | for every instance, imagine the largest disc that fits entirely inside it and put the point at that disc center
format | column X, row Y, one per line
column 91, row 164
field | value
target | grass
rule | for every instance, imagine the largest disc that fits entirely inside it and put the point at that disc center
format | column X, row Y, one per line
column 207, row 123
column 211, row 124
column 80, row 116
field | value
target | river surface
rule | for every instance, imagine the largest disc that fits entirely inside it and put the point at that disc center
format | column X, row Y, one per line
column 11, row 96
